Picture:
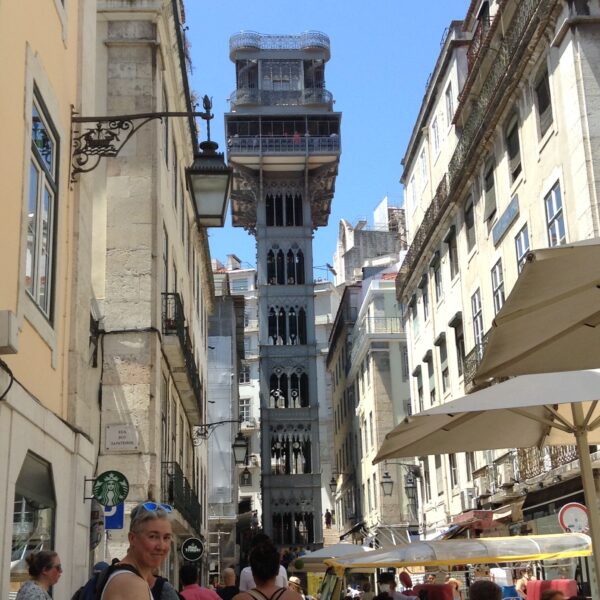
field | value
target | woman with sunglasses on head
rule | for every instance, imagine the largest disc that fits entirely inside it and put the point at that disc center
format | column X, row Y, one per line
column 45, row 570
column 149, row 544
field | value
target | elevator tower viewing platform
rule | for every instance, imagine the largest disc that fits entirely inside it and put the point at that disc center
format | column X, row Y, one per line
column 284, row 144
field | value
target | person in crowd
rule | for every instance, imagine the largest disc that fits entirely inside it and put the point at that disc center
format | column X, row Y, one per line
column 430, row 578
column 328, row 519
column 295, row 585
column 246, row 578
column 387, row 583
column 161, row 588
column 264, row 564
column 191, row 590
column 485, row 590
column 149, row 536
column 44, row 570
column 228, row 590
column 88, row 591
column 552, row 595
column 367, row 592
column 455, row 585
column 521, row 583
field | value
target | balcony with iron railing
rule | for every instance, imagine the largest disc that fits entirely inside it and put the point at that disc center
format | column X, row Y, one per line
column 306, row 97
column 533, row 462
column 478, row 41
column 178, row 348
column 265, row 145
column 380, row 328
column 252, row 40
column 177, row 492
column 498, row 81
column 472, row 361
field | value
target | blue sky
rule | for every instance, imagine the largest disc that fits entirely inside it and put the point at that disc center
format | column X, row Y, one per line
column 382, row 52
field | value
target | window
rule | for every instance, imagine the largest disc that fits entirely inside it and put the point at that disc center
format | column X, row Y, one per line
column 544, row 102
column 423, row 167
column 244, row 376
column 439, row 475
column 33, row 516
column 164, row 418
column 165, row 104
column 513, row 149
column 175, row 173
column 444, row 365
column 43, row 191
column 371, row 431
column 431, row 373
column 489, row 191
column 239, row 285
column 425, row 298
column 452, row 252
column 404, row 352
column 498, row 286
column 414, row 313
column 435, row 137
column 470, row 464
column 554, row 217
column 477, row 322
column 470, row 224
column 453, row 470
column 284, row 211
column 459, row 344
column 413, row 192
column 522, row 246
column 244, row 409
column 426, row 480
column 421, row 406
column 165, row 260
column 369, row 494
column 437, row 278
column 375, row 490
column 449, row 104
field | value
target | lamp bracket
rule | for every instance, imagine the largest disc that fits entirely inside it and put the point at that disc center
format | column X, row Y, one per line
column 203, row 431
column 108, row 135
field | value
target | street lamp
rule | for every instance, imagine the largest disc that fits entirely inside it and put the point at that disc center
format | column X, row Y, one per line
column 240, row 449
column 332, row 484
column 387, row 484
column 207, row 179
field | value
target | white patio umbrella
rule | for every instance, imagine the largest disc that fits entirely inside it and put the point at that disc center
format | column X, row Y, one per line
column 315, row 561
column 530, row 410
column 550, row 320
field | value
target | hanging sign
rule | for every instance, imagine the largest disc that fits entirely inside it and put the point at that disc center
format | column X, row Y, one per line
column 110, row 488
column 192, row 549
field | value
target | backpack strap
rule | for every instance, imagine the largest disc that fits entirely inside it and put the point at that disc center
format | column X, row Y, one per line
column 103, row 579
column 257, row 594
column 277, row 594
column 158, row 587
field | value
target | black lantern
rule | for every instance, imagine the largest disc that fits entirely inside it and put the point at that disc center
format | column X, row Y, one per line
column 240, row 449
column 332, row 485
column 387, row 484
column 208, row 182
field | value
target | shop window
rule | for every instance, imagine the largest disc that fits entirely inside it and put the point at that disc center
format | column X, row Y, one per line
column 33, row 516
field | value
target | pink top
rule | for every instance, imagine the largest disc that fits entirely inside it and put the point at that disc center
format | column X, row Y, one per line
column 195, row 592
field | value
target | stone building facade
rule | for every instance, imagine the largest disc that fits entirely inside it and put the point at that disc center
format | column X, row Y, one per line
column 284, row 146
column 502, row 159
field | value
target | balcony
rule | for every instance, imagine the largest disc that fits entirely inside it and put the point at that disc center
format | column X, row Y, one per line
column 478, row 41
column 486, row 105
column 472, row 362
column 534, row 462
column 305, row 97
column 284, row 144
column 252, row 40
column 178, row 349
column 177, row 492
column 382, row 328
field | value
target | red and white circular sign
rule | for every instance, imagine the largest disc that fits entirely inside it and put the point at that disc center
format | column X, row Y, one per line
column 573, row 518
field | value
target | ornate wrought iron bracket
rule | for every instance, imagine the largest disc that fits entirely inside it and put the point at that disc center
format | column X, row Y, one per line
column 203, row 431
column 108, row 135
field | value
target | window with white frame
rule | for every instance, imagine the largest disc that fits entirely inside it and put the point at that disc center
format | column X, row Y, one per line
column 414, row 313
column 449, row 104
column 437, row 279
column 244, row 376
column 498, row 286
column 413, row 192
column 423, row 167
column 452, row 253
column 470, row 464
column 239, row 285
column 522, row 246
column 431, row 372
column 477, row 313
column 425, row 297
column 554, row 217
column 41, row 208
column 453, row 468
column 469, row 216
column 244, row 409
column 444, row 364
column 426, row 480
column 435, row 137
column 439, row 474
column 489, row 190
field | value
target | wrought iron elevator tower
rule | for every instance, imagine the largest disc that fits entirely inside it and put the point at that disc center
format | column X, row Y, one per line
column 283, row 142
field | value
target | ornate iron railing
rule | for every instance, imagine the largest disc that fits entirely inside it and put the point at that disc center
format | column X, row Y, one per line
column 173, row 323
column 283, row 144
column 527, row 16
column 177, row 492
column 533, row 461
column 477, row 41
column 473, row 360
column 255, row 40
column 304, row 97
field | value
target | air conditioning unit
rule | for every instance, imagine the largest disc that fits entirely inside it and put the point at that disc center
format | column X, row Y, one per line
column 483, row 485
column 505, row 475
column 468, row 499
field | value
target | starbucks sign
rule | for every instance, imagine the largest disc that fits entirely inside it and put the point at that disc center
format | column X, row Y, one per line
column 110, row 488
column 192, row 549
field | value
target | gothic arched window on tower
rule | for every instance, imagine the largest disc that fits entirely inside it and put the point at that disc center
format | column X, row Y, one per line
column 278, row 390
column 280, row 268
column 298, row 210
column 270, row 210
column 278, row 210
column 289, row 210
column 301, row 326
column 271, row 269
column 284, row 211
column 291, row 454
column 299, row 267
column 291, row 268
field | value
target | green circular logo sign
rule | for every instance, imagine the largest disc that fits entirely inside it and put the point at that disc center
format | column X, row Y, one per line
column 110, row 488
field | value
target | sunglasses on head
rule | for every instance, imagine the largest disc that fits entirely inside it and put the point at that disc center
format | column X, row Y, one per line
column 153, row 507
